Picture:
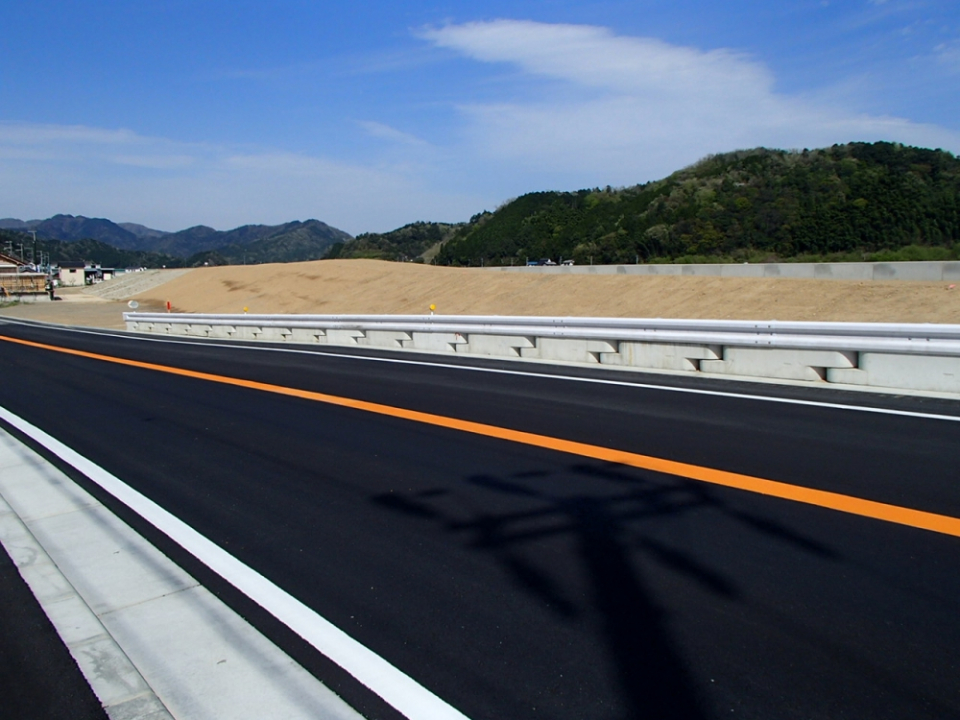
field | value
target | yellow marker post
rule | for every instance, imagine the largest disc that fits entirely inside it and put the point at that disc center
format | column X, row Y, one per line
column 432, row 308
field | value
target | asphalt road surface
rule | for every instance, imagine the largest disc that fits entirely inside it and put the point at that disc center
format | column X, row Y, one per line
column 516, row 580
column 39, row 680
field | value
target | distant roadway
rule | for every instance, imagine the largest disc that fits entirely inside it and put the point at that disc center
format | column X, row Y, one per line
column 529, row 541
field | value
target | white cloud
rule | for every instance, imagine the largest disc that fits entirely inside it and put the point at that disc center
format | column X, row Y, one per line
column 948, row 54
column 385, row 132
column 170, row 185
column 158, row 162
column 595, row 57
column 27, row 134
column 620, row 109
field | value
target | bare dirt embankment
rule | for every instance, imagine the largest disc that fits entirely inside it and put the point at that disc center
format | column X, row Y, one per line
column 368, row 286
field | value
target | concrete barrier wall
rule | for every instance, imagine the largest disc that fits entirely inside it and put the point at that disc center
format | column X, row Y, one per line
column 881, row 356
column 915, row 271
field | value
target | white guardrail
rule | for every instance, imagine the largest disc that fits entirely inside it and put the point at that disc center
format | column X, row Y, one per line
column 922, row 357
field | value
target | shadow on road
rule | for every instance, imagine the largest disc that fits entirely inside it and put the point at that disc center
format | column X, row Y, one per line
column 606, row 521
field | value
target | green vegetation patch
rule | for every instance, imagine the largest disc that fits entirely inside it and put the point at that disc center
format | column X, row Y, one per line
column 861, row 201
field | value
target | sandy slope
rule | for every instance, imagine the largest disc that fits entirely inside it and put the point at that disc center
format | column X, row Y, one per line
column 370, row 286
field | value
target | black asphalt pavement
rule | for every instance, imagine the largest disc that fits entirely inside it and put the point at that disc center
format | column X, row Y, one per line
column 39, row 679
column 519, row 582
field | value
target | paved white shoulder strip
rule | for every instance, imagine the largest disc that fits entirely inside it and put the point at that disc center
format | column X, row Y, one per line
column 399, row 690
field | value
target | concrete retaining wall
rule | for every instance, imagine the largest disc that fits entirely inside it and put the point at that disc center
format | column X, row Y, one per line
column 882, row 356
column 915, row 271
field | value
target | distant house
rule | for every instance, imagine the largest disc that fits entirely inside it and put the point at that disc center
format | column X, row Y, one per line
column 72, row 273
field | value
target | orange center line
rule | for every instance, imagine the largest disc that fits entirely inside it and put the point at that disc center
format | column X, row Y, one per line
column 920, row 519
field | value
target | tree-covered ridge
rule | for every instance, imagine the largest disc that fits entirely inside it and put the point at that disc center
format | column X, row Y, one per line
column 408, row 243
column 877, row 201
column 85, row 250
column 250, row 244
column 291, row 242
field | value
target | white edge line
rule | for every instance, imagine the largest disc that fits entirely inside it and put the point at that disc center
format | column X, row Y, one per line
column 499, row 371
column 395, row 687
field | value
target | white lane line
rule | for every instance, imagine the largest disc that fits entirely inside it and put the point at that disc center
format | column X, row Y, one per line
column 522, row 373
column 398, row 689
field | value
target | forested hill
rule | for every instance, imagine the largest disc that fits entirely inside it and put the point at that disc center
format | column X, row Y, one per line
column 290, row 242
column 20, row 245
column 879, row 201
column 416, row 241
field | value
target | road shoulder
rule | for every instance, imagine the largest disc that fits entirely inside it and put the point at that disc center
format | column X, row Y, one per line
column 149, row 639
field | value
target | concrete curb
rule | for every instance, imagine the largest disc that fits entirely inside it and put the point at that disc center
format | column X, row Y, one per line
column 121, row 689
column 151, row 641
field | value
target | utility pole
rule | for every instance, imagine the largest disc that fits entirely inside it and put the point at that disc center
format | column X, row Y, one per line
column 33, row 256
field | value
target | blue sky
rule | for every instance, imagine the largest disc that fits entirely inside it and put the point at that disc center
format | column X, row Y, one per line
column 370, row 115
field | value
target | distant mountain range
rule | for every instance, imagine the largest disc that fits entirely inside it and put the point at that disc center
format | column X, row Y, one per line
column 68, row 227
column 290, row 242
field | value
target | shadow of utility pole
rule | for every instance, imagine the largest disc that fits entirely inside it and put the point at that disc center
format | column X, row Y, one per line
column 607, row 527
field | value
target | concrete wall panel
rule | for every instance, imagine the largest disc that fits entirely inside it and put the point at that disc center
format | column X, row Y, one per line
column 222, row 331
column 913, row 372
column 342, row 337
column 662, row 356
column 385, row 339
column 435, row 342
column 568, row 350
column 247, row 332
column 500, row 345
column 783, row 364
column 273, row 334
column 199, row 330
column 305, row 335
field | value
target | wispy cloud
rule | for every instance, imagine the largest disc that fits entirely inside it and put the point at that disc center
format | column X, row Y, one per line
column 167, row 184
column 623, row 109
column 596, row 57
column 385, row 132
column 948, row 54
column 35, row 134
column 157, row 162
